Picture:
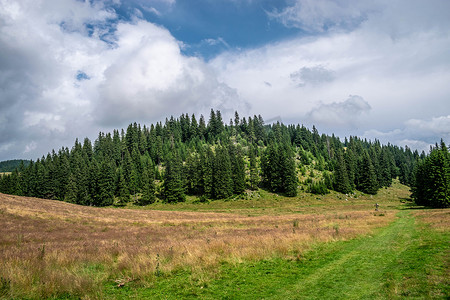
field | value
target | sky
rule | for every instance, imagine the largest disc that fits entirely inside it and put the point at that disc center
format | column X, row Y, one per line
column 377, row 69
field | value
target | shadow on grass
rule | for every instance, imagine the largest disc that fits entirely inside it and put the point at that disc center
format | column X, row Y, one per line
column 412, row 205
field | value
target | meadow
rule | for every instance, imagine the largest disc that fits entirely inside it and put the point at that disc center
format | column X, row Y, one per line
column 257, row 245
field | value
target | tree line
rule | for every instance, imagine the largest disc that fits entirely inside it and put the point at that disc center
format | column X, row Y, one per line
column 431, row 186
column 10, row 165
column 211, row 160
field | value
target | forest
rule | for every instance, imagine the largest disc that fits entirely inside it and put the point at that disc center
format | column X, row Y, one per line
column 10, row 165
column 215, row 160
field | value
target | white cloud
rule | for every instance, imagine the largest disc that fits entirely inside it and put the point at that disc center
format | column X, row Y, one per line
column 395, row 57
column 321, row 15
column 437, row 125
column 416, row 133
column 394, row 54
column 61, row 79
column 148, row 78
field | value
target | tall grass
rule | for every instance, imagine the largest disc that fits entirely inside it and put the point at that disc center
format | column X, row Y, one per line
column 54, row 249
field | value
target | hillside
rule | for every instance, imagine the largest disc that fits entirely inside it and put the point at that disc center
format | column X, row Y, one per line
column 186, row 157
column 11, row 165
column 53, row 249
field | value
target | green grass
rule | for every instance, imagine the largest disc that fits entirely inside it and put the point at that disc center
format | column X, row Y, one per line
column 407, row 259
column 261, row 202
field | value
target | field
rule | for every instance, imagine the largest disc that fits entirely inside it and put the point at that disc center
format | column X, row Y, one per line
column 260, row 246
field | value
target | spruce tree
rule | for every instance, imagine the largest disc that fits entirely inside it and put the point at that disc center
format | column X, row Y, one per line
column 72, row 191
column 237, row 170
column 123, row 192
column 367, row 181
column 148, row 189
column 223, row 183
column 432, row 179
column 341, row 182
column 289, row 173
column 106, row 185
column 173, row 182
column 254, row 177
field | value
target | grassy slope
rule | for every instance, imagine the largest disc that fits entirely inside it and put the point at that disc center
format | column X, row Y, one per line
column 405, row 259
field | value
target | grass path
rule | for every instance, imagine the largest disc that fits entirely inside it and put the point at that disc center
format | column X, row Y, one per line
column 391, row 264
column 404, row 259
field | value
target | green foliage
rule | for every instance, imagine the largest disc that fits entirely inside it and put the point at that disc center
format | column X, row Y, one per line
column 254, row 176
column 123, row 192
column 278, row 169
column 148, row 188
column 11, row 165
column 341, row 178
column 432, row 179
column 207, row 159
column 318, row 187
column 173, row 184
column 367, row 178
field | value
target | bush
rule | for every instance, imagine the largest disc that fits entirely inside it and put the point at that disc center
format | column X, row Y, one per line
column 319, row 188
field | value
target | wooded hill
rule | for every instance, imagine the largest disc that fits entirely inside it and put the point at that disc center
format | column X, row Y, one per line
column 210, row 160
column 10, row 165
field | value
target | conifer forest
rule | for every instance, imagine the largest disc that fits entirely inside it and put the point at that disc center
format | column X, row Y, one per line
column 211, row 159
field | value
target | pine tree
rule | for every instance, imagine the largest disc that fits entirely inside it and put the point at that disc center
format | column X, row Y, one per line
column 237, row 170
column 367, row 181
column 386, row 169
column 222, row 181
column 72, row 191
column 432, row 179
column 123, row 193
column 254, row 177
column 148, row 189
column 207, row 162
column 350, row 164
column 173, row 183
column 289, row 173
column 341, row 181
column 105, row 185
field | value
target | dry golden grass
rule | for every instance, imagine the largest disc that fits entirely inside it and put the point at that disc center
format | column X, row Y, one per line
column 438, row 219
column 49, row 248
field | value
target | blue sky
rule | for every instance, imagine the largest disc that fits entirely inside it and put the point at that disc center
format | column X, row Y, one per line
column 208, row 28
column 376, row 69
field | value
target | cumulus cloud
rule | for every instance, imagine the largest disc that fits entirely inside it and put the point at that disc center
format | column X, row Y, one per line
column 69, row 69
column 343, row 113
column 42, row 46
column 148, row 78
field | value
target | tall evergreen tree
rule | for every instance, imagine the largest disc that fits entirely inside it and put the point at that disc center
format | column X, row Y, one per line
column 123, row 192
column 237, row 169
column 341, row 181
column 289, row 173
column 222, row 177
column 148, row 189
column 173, row 181
column 367, row 179
column 106, row 185
column 432, row 179
column 254, row 177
